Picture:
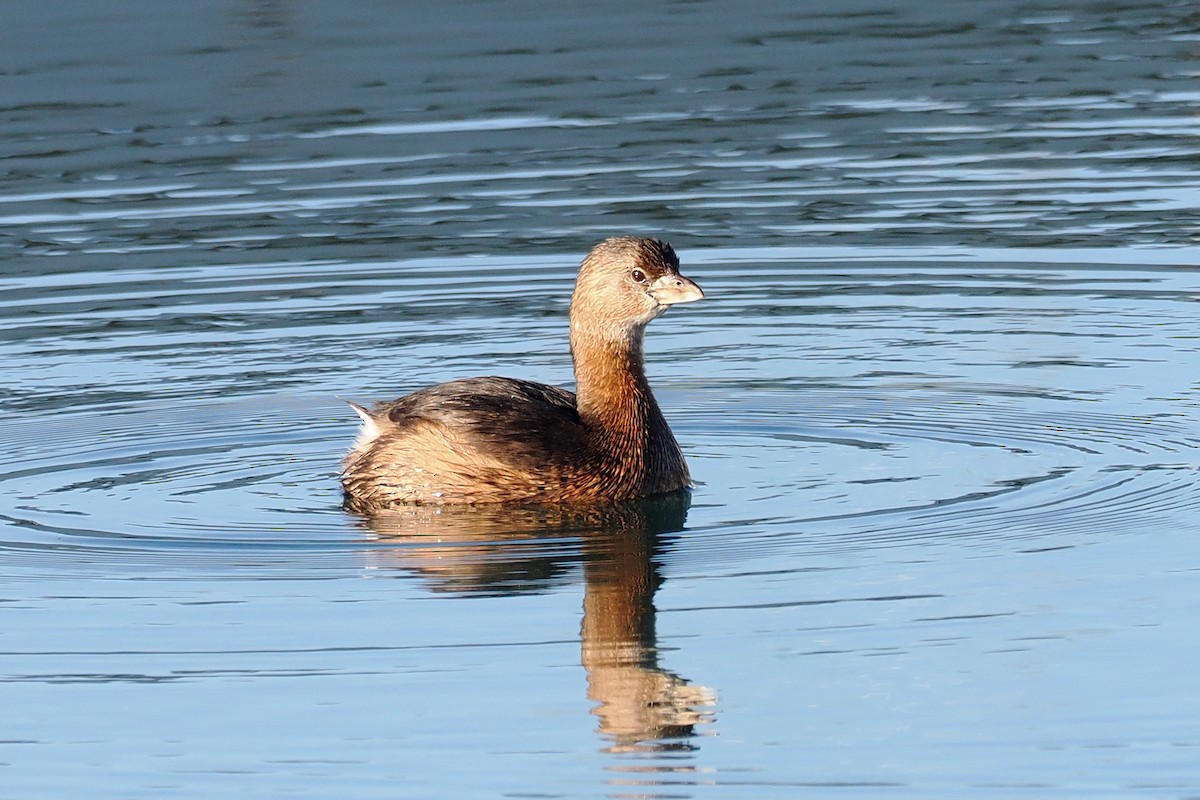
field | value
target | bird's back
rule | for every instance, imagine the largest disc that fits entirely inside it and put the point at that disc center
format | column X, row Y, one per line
column 474, row 440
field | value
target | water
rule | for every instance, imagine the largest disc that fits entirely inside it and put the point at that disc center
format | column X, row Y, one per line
column 940, row 401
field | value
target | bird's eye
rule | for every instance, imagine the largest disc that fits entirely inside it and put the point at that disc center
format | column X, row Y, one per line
column 638, row 275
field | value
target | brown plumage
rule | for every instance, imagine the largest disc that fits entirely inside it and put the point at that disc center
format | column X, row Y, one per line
column 495, row 440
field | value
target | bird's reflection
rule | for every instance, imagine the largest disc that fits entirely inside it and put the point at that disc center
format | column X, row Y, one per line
column 641, row 707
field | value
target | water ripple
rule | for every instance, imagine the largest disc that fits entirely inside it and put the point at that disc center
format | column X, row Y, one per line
column 218, row 484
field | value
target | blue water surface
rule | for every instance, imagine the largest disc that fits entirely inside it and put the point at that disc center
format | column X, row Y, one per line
column 940, row 400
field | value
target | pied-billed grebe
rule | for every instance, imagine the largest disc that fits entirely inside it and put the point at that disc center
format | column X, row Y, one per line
column 495, row 440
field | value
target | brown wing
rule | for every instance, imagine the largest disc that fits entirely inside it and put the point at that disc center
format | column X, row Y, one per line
column 527, row 424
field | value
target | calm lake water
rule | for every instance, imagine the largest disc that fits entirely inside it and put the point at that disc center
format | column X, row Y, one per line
column 941, row 401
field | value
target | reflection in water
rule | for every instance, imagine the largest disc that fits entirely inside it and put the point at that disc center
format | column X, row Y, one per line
column 642, row 708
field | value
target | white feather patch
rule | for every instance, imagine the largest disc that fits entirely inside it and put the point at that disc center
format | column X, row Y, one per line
column 369, row 429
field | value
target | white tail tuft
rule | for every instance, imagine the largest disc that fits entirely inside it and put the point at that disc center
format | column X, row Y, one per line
column 369, row 430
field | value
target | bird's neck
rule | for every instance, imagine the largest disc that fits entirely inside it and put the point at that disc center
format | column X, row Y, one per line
column 612, row 392
column 627, row 434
